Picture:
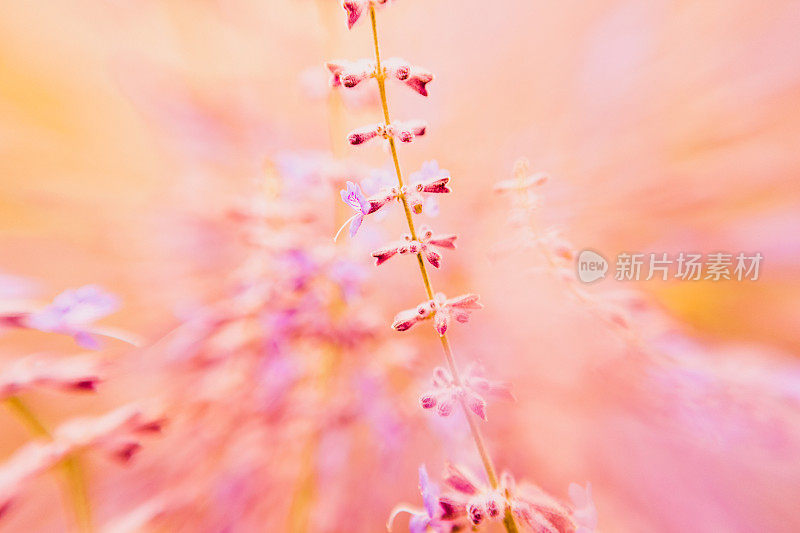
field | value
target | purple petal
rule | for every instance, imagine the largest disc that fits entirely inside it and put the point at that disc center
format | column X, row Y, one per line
column 429, row 491
column 355, row 224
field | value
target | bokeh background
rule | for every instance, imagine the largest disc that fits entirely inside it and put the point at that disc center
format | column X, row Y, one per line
column 129, row 130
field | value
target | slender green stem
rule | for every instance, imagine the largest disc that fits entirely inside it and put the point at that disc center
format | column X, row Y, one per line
column 477, row 436
column 71, row 465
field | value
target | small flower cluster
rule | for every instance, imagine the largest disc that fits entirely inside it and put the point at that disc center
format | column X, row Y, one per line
column 348, row 74
column 413, row 194
column 446, row 393
column 441, row 309
column 421, row 245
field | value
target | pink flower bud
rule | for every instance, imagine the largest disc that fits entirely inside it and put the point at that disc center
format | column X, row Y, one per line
column 354, row 10
column 397, row 68
column 443, row 241
column 432, row 257
column 493, row 506
column 441, row 321
column 405, row 320
column 475, row 403
column 361, row 135
column 476, row 513
column 418, row 79
column 451, row 508
column 445, row 407
column 435, row 185
column 459, row 480
column 428, row 400
column 382, row 255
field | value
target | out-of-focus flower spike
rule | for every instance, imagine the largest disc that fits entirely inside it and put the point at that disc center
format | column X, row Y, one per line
column 442, row 377
column 521, row 184
column 70, row 374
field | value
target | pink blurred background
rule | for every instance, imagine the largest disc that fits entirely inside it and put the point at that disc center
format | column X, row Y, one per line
column 129, row 129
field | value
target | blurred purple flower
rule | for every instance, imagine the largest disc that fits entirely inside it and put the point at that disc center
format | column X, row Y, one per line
column 73, row 312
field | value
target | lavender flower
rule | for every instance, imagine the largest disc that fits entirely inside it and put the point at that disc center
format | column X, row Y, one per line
column 431, row 517
column 353, row 197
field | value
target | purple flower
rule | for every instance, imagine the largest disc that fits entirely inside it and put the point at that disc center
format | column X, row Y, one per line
column 73, row 312
column 353, row 197
column 431, row 517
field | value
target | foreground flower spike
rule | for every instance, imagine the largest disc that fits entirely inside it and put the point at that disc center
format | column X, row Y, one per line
column 430, row 179
column 419, row 246
column 446, row 393
column 441, row 310
column 403, row 131
column 68, row 374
